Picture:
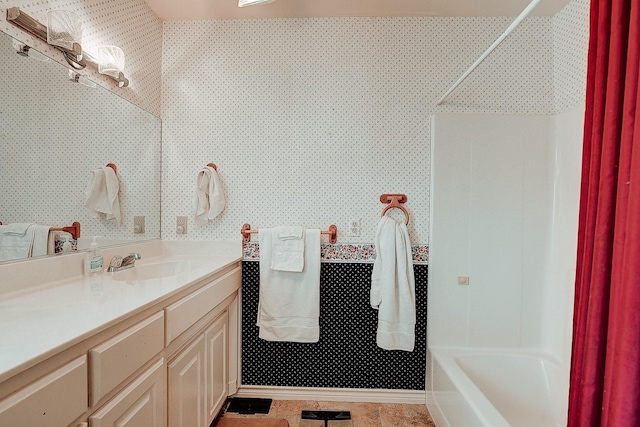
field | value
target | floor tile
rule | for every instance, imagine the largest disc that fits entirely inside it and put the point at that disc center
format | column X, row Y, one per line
column 362, row 414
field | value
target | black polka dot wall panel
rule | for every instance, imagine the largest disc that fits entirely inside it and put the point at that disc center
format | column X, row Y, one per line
column 346, row 356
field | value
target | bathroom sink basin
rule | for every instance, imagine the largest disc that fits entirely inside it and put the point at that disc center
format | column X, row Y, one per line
column 155, row 271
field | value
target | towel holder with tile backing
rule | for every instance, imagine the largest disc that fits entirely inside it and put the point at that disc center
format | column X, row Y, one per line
column 394, row 201
column 73, row 229
column 332, row 232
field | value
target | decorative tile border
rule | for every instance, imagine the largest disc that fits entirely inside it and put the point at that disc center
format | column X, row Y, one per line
column 343, row 252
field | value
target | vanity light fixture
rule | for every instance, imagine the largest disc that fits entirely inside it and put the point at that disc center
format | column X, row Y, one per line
column 109, row 67
column 243, row 3
column 26, row 51
column 76, row 77
column 64, row 35
column 111, row 61
column 64, row 30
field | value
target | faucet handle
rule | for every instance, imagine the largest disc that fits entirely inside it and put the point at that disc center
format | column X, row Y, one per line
column 135, row 255
column 116, row 261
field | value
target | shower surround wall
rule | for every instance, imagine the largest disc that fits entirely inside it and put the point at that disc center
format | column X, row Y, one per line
column 310, row 120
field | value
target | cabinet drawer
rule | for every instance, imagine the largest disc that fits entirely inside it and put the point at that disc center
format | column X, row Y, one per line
column 184, row 313
column 55, row 400
column 116, row 359
column 141, row 404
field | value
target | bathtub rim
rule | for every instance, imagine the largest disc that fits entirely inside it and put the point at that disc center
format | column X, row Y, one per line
column 480, row 405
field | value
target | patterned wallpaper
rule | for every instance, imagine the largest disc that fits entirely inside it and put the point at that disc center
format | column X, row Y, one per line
column 310, row 120
column 570, row 42
column 129, row 24
column 346, row 354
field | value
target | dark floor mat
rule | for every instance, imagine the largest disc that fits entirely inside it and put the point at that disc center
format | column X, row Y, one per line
column 247, row 405
column 325, row 418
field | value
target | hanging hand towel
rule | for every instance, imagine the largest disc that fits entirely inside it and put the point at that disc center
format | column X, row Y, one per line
column 287, row 249
column 102, row 197
column 393, row 286
column 289, row 306
column 209, row 200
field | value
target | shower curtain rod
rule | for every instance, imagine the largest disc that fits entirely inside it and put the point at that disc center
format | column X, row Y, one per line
column 495, row 44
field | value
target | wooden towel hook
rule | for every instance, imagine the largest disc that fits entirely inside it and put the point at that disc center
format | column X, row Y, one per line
column 213, row 165
column 394, row 201
column 113, row 166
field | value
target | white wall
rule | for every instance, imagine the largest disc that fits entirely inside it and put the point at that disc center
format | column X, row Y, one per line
column 565, row 160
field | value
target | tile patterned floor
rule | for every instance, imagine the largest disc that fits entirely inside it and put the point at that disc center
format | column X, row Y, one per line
column 362, row 414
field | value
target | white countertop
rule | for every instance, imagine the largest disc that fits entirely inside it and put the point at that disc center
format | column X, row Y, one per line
column 39, row 321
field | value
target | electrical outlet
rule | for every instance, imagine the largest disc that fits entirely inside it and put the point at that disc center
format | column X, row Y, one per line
column 354, row 228
column 463, row 280
column 138, row 225
column 181, row 225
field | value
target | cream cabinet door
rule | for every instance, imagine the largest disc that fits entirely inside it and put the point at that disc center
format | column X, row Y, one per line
column 141, row 404
column 216, row 339
column 56, row 400
column 186, row 378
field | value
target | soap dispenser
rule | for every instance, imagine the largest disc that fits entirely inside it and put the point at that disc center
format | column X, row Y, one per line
column 93, row 260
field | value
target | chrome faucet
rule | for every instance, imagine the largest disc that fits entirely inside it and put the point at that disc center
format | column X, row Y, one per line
column 119, row 263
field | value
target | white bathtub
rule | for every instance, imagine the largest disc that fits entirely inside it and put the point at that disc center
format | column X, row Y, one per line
column 496, row 388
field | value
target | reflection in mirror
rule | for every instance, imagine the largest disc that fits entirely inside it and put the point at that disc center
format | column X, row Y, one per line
column 53, row 134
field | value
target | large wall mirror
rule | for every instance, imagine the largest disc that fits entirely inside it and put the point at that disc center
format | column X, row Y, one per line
column 54, row 133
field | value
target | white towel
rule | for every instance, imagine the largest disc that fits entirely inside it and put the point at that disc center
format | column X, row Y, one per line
column 14, row 245
column 287, row 249
column 17, row 228
column 40, row 239
column 393, row 286
column 289, row 306
column 102, row 197
column 209, row 200
column 19, row 241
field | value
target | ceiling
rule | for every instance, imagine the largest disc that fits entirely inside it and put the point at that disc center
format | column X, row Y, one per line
column 172, row 10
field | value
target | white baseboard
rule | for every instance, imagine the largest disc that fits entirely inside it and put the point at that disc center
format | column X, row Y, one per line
column 417, row 397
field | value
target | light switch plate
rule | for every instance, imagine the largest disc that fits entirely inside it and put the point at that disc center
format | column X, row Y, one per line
column 181, row 225
column 138, row 225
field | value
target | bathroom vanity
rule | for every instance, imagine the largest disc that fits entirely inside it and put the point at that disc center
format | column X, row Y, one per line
column 154, row 345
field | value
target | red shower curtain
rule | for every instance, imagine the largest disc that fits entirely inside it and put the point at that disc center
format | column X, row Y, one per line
column 605, row 366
